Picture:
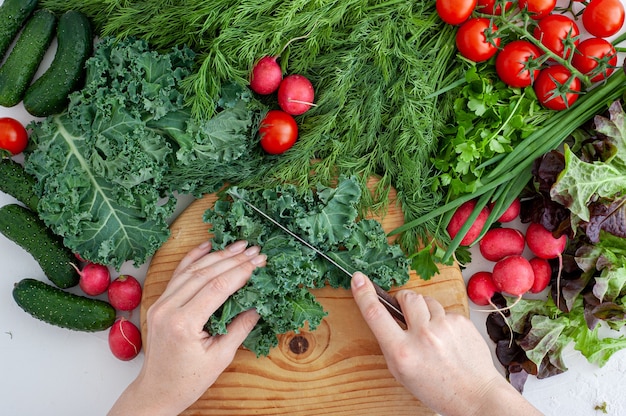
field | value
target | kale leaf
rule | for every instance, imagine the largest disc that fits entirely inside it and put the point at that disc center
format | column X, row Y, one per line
column 328, row 219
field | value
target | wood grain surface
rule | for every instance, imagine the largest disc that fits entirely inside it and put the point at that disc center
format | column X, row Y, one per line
column 338, row 369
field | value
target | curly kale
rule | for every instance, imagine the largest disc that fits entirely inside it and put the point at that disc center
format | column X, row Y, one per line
column 326, row 218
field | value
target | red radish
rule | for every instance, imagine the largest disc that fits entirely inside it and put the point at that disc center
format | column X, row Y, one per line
column 459, row 218
column 543, row 245
column 480, row 288
column 266, row 75
column 542, row 271
column 124, row 339
column 499, row 243
column 295, row 94
column 125, row 293
column 94, row 278
column 511, row 212
column 513, row 275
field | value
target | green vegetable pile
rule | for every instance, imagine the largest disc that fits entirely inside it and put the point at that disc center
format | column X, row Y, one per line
column 581, row 193
column 376, row 68
column 107, row 167
column 326, row 218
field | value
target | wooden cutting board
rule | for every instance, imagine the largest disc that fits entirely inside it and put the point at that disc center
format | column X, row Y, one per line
column 338, row 369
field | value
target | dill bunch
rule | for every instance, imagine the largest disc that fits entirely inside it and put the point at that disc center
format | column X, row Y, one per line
column 374, row 64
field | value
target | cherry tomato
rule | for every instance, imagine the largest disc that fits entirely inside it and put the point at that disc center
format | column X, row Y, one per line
column 590, row 53
column 13, row 135
column 555, row 87
column 490, row 6
column 538, row 9
column 454, row 12
column 603, row 18
column 515, row 63
column 556, row 31
column 472, row 41
column 278, row 132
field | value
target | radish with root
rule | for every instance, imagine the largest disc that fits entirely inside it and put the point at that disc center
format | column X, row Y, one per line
column 124, row 339
column 511, row 212
column 266, row 75
column 543, row 273
column 295, row 94
column 480, row 288
column 513, row 275
column 459, row 218
column 94, row 278
column 125, row 293
column 544, row 245
column 499, row 243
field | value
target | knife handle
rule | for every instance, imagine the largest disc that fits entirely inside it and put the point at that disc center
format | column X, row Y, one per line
column 390, row 303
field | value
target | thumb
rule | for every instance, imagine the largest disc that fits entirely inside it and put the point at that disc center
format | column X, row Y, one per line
column 376, row 316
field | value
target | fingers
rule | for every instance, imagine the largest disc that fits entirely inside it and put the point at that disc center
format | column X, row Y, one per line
column 383, row 325
column 419, row 310
column 237, row 331
column 193, row 255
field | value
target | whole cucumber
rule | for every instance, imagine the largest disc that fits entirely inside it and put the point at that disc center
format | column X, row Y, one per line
column 49, row 93
column 13, row 15
column 23, row 227
column 16, row 182
column 21, row 65
column 58, row 307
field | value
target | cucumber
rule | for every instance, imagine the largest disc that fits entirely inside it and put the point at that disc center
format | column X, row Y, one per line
column 23, row 226
column 13, row 15
column 58, row 307
column 21, row 65
column 49, row 93
column 16, row 182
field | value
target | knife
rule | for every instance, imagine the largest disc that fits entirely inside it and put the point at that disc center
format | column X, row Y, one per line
column 390, row 303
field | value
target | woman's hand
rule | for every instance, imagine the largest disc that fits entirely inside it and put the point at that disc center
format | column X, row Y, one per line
column 181, row 359
column 440, row 358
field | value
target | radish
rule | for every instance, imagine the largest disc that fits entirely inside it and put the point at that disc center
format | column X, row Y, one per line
column 124, row 339
column 266, row 76
column 511, row 212
column 513, row 275
column 499, row 243
column 459, row 218
column 543, row 245
column 542, row 271
column 125, row 293
column 480, row 288
column 295, row 94
column 94, row 278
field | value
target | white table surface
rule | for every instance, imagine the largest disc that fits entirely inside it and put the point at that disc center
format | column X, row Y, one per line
column 45, row 370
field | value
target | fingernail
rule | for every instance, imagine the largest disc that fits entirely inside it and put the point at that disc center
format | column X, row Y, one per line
column 259, row 260
column 358, row 279
column 252, row 251
column 237, row 246
column 204, row 245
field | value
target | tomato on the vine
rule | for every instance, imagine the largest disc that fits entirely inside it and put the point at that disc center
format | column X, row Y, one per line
column 454, row 12
column 515, row 64
column 278, row 131
column 595, row 57
column 603, row 18
column 558, row 33
column 538, row 9
column 556, row 88
column 476, row 39
column 490, row 6
column 13, row 135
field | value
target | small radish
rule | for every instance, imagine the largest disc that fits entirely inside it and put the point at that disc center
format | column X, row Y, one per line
column 125, row 293
column 295, row 94
column 94, row 278
column 459, row 218
column 543, row 245
column 542, row 271
column 480, row 288
column 266, row 76
column 513, row 275
column 124, row 339
column 511, row 212
column 499, row 243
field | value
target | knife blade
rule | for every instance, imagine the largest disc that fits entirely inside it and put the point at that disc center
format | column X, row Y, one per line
column 390, row 303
